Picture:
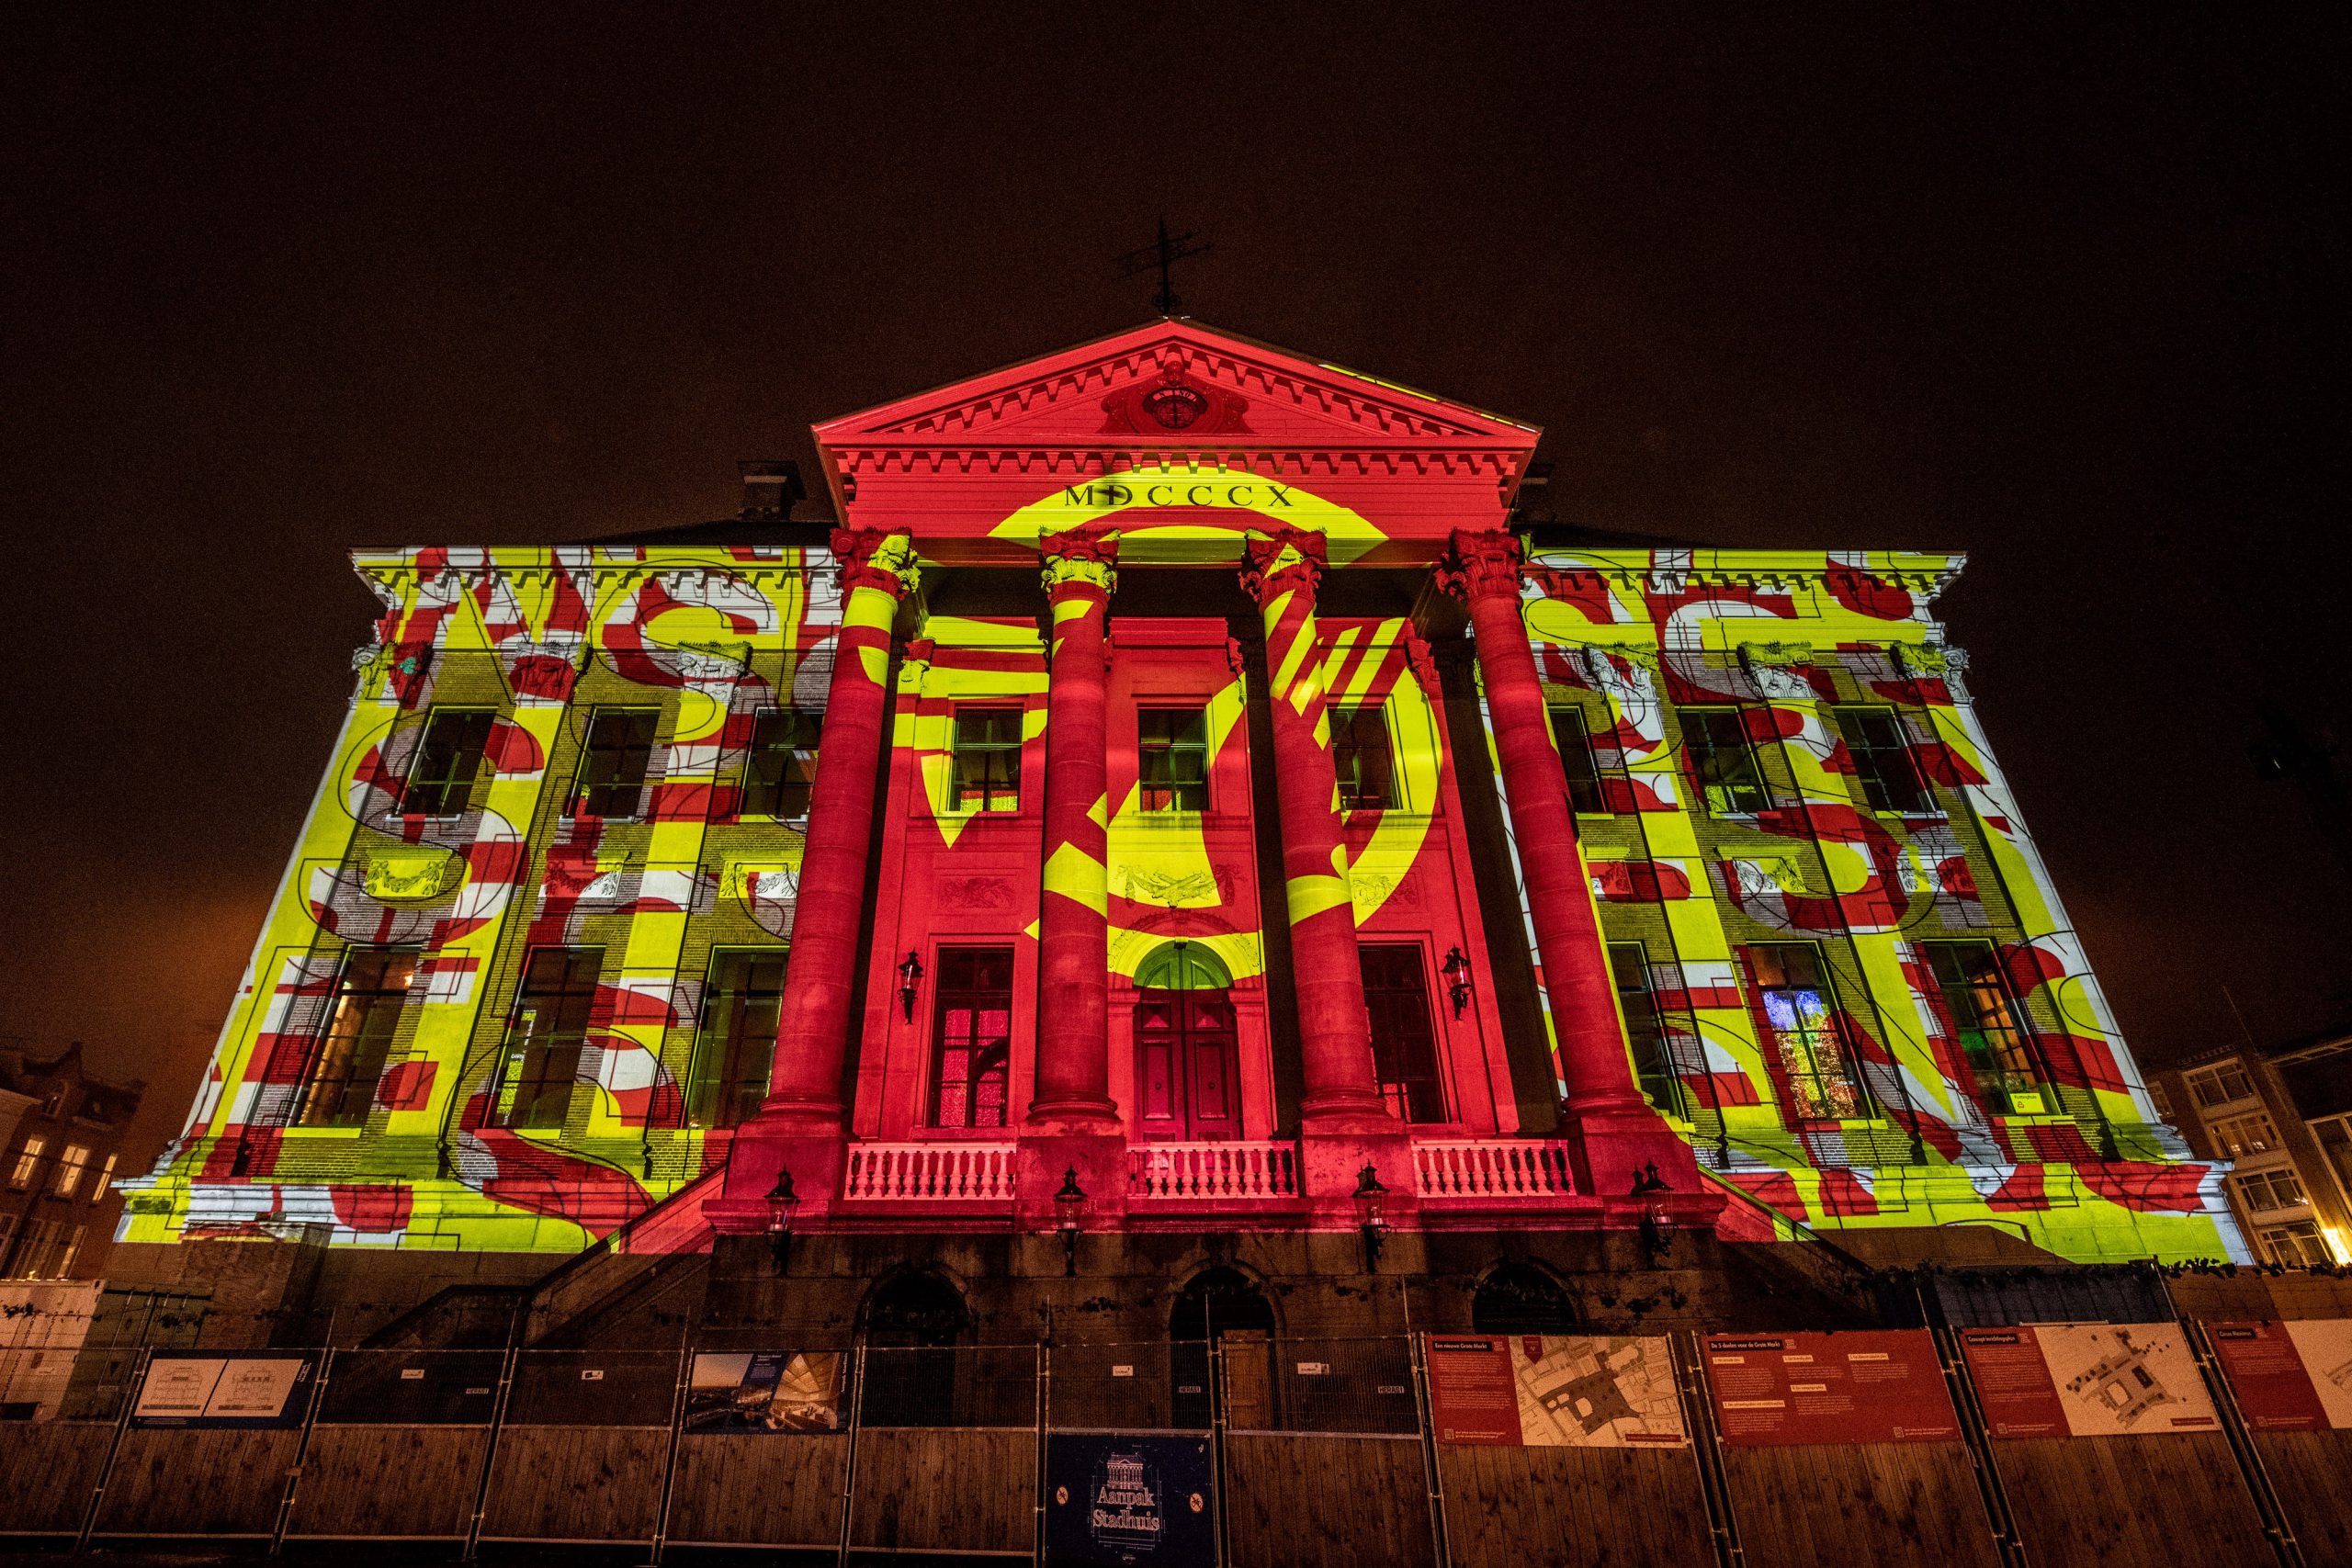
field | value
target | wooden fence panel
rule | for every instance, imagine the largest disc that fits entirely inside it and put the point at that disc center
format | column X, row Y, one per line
column 389, row 1482
column 2311, row 1472
column 2176, row 1501
column 1511, row 1508
column 946, row 1488
column 1801, row 1506
column 172, row 1482
column 47, row 1468
column 576, row 1484
column 1321, row 1500
column 758, row 1489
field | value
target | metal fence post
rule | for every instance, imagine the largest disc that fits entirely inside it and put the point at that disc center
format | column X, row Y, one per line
column 1432, row 1472
column 301, row 1451
column 121, row 1424
column 1687, row 1351
column 1977, row 1434
column 1216, row 1448
column 1045, row 1401
column 670, row 1463
column 849, row 1465
column 490, row 1452
column 2266, row 1506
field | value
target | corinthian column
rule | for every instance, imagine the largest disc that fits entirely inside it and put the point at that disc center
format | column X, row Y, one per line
column 1335, row 1038
column 1072, row 1089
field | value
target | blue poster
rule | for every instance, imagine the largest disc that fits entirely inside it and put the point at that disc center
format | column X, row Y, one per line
column 1116, row 1499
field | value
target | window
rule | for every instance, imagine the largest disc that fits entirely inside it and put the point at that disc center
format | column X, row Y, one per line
column 2265, row 1191
column 972, row 1038
column 1723, row 763
column 1361, row 758
column 2297, row 1245
column 1644, row 1026
column 2250, row 1134
column 988, row 761
column 442, row 776
column 2335, row 1135
column 28, row 1161
column 1883, row 764
column 1800, row 1016
column 1404, row 1051
column 2160, row 1099
column 781, row 766
column 341, row 1083
column 2009, row 1075
column 740, row 1008
column 1172, row 759
column 2220, row 1084
column 614, row 763
column 551, row 1017
column 106, row 1177
column 1569, row 733
column 70, row 1165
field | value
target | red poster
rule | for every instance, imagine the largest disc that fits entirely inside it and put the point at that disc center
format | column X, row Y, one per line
column 2265, row 1370
column 2014, row 1387
column 1474, row 1398
column 1884, row 1386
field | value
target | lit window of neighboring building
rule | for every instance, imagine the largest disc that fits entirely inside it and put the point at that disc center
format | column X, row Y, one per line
column 340, row 1085
column 1644, row 1025
column 28, row 1161
column 2335, row 1135
column 2160, row 1099
column 615, row 761
column 551, row 1017
column 106, row 1177
column 2297, row 1244
column 1882, row 763
column 740, row 1008
column 1800, row 1016
column 1361, row 758
column 1404, row 1050
column 971, row 1053
column 442, row 776
column 1172, row 759
column 71, row 1163
column 2266, row 1192
column 1724, row 763
column 2010, row 1075
column 781, row 766
column 2219, row 1085
column 2250, row 1134
column 988, row 761
column 1575, row 741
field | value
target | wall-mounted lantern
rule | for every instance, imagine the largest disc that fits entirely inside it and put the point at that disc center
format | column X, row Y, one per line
column 1069, row 1215
column 1371, row 1199
column 1457, row 978
column 783, row 1204
column 910, row 982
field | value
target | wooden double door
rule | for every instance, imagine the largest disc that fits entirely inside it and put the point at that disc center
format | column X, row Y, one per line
column 1186, row 1086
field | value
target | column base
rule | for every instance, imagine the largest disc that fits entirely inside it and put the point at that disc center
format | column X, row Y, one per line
column 1047, row 1156
column 1332, row 1160
column 814, row 1151
column 1072, row 1118
column 1612, row 1147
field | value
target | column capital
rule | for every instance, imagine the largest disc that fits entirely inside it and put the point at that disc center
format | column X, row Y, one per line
column 1280, row 561
column 869, row 558
column 1083, row 557
column 1479, row 562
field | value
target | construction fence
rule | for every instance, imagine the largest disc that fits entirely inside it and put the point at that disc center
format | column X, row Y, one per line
column 2179, row 1442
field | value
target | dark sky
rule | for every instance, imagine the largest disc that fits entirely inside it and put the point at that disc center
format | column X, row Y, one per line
column 2062, row 290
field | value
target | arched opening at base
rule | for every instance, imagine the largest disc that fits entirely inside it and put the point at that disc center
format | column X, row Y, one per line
column 1517, row 1298
column 913, row 1323
column 1220, row 1306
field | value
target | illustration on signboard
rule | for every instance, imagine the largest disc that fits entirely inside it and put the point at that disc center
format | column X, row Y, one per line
column 2119, row 1379
column 1601, row 1392
column 772, row 1391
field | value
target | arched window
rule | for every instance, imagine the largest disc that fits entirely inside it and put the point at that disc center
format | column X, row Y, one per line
column 1517, row 1299
column 913, row 1322
column 1221, row 1305
column 1181, row 966
column 1188, row 1086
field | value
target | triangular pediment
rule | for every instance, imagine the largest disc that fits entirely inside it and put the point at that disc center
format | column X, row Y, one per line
column 1175, row 383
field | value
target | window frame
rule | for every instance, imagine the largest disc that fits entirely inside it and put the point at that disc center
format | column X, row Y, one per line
column 983, row 799
column 587, row 790
column 1579, row 761
column 351, row 1061
column 1174, row 749
column 2268, row 1237
column 1869, row 756
column 452, row 790
column 526, row 1042
column 71, row 1161
column 2217, row 1075
column 993, row 1056
column 799, row 757
column 27, row 1162
column 2025, row 1072
column 1433, row 1106
column 1637, row 953
column 1356, row 798
column 1703, row 750
column 2267, row 1182
column 713, row 1099
column 1832, row 1031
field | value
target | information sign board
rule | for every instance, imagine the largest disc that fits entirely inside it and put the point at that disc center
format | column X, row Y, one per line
column 1114, row 1499
column 1880, row 1386
column 2087, row 1379
column 1555, row 1390
column 2289, row 1377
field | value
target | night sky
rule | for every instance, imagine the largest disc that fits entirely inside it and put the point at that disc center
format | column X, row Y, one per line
column 2064, row 292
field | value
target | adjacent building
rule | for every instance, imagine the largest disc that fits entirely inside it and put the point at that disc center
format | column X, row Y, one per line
column 61, row 1146
column 2282, row 1118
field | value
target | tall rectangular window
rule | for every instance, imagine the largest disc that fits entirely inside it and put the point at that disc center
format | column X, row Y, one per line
column 781, row 766
column 1172, row 759
column 971, row 1052
column 27, row 1162
column 614, row 762
column 1882, row 761
column 2335, row 1135
column 740, row 1010
column 1800, row 1016
column 1362, row 757
column 2009, row 1076
column 1723, row 762
column 442, row 775
column 552, row 1011
column 71, row 1164
column 341, row 1083
column 106, row 1176
column 1644, row 1026
column 1575, row 741
column 1404, row 1046
column 987, row 759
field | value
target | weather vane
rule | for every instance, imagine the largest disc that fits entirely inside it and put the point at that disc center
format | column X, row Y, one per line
column 1164, row 255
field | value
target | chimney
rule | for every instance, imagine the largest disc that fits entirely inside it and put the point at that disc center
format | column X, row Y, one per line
column 770, row 486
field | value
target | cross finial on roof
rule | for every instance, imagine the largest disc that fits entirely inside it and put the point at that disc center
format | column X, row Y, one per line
column 1164, row 255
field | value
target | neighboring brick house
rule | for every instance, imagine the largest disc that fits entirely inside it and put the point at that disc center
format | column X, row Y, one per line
column 2284, row 1116
column 62, row 1129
